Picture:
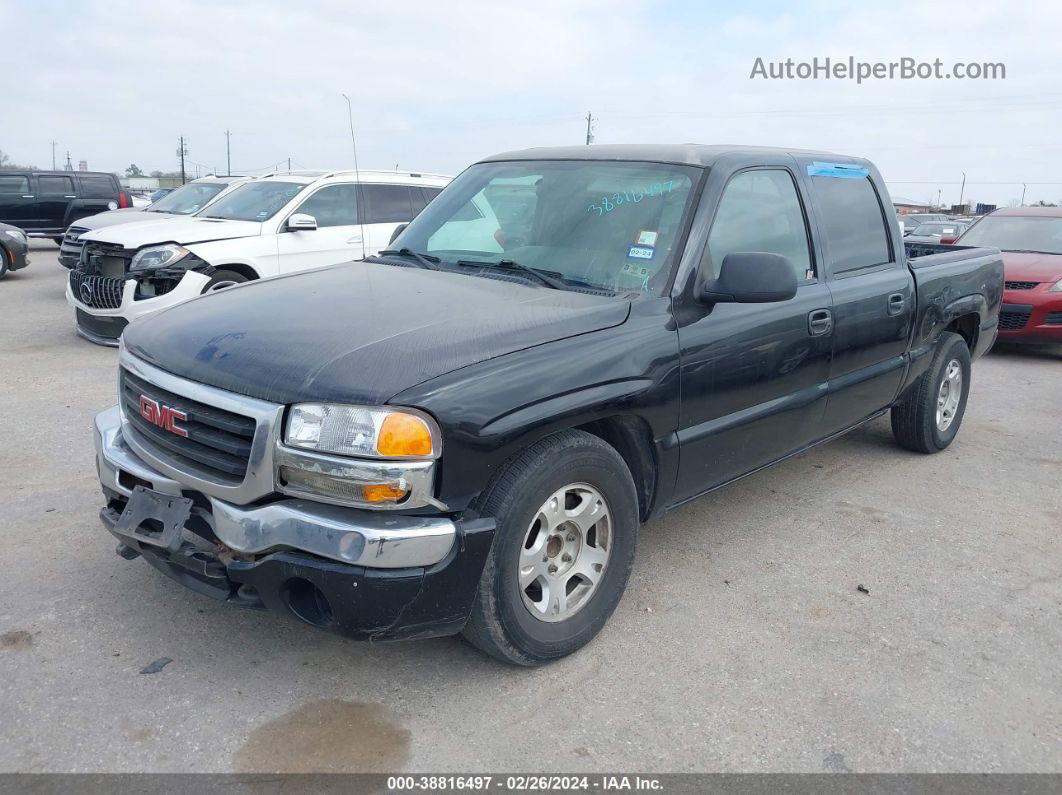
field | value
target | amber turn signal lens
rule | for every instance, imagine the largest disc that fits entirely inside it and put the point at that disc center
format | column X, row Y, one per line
column 382, row 492
column 403, row 435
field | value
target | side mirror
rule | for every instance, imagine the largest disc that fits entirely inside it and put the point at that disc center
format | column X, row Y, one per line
column 398, row 230
column 301, row 221
column 947, row 240
column 753, row 277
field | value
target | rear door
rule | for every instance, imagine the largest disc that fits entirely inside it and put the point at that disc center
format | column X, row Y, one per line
column 386, row 207
column 18, row 204
column 337, row 237
column 873, row 292
column 55, row 193
column 753, row 375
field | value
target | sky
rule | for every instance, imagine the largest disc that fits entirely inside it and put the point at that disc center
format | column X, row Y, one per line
column 435, row 86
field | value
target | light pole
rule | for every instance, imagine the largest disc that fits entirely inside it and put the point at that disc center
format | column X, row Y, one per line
column 963, row 188
column 1023, row 194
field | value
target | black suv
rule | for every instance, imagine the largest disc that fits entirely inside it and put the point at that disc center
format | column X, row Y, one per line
column 44, row 203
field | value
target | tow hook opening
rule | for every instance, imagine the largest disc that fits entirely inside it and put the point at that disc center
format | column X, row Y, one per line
column 307, row 602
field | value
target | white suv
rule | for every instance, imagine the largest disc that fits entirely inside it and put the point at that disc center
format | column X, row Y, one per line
column 269, row 226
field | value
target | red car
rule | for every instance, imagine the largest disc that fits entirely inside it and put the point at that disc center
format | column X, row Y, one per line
column 1031, row 241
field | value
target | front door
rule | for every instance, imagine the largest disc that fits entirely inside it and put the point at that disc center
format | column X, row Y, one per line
column 753, row 375
column 18, row 203
column 337, row 238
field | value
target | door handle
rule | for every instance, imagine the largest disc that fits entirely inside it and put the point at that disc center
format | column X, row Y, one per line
column 820, row 322
column 897, row 302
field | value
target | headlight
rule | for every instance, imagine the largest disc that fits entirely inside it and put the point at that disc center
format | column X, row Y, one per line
column 1056, row 287
column 362, row 431
column 18, row 234
column 157, row 256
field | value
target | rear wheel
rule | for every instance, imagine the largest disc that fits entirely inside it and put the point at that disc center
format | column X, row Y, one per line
column 5, row 262
column 567, row 525
column 222, row 279
column 928, row 418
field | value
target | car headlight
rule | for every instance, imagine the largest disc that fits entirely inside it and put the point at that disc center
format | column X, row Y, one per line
column 362, row 431
column 157, row 256
column 1056, row 287
column 18, row 234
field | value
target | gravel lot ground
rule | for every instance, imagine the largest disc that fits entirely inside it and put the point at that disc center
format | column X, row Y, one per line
column 742, row 643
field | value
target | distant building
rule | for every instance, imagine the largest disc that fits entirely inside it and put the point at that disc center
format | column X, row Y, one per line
column 82, row 165
column 904, row 206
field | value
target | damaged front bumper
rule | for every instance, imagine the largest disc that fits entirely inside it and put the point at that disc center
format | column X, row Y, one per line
column 363, row 574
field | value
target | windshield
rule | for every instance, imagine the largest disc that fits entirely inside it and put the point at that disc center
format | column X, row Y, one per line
column 188, row 198
column 1017, row 233
column 613, row 225
column 255, row 201
column 937, row 230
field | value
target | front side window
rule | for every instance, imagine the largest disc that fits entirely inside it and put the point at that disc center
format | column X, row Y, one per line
column 14, row 183
column 189, row 198
column 853, row 222
column 255, row 201
column 760, row 211
column 613, row 225
column 51, row 185
column 333, row 205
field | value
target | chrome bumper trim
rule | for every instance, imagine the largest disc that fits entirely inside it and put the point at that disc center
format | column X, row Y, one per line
column 364, row 538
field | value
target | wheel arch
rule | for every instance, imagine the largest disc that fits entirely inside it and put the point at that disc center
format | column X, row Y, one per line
column 241, row 268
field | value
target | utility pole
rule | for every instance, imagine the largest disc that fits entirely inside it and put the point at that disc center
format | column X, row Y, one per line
column 1023, row 194
column 53, row 155
column 589, row 131
column 289, row 164
column 228, row 154
column 962, row 190
column 182, row 151
column 69, row 166
column 938, row 198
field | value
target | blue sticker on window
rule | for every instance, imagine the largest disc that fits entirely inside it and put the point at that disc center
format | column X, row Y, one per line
column 841, row 170
column 641, row 252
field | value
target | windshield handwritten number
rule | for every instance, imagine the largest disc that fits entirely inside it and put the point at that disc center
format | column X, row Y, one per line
column 610, row 203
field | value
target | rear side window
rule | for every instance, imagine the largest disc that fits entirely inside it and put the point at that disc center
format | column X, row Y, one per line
column 386, row 204
column 853, row 223
column 333, row 205
column 760, row 211
column 52, row 185
column 97, row 186
column 421, row 197
column 14, row 183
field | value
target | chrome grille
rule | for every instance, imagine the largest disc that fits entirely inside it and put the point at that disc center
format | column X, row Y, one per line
column 218, row 442
column 97, row 292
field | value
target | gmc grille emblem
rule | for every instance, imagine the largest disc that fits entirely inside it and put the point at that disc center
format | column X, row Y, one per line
column 163, row 416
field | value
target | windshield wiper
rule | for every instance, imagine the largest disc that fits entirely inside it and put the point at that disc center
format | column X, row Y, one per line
column 426, row 261
column 550, row 279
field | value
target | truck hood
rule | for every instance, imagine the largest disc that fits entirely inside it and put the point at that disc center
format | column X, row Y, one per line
column 1019, row 267
column 127, row 215
column 359, row 332
column 175, row 230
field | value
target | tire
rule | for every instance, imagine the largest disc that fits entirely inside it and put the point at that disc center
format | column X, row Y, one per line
column 524, row 625
column 915, row 421
column 222, row 279
column 58, row 241
column 5, row 261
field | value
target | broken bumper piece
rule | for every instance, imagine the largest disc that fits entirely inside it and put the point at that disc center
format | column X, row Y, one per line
column 364, row 575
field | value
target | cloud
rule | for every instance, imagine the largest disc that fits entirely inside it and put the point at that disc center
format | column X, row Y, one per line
column 438, row 85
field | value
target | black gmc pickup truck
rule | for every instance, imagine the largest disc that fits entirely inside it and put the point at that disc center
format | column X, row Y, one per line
column 464, row 433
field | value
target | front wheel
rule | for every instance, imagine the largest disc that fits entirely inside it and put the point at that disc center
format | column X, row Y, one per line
column 223, row 278
column 928, row 418
column 567, row 527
